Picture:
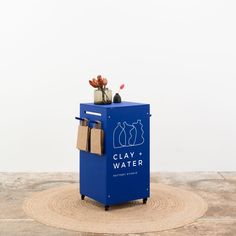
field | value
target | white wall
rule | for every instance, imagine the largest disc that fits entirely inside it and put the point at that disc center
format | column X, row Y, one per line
column 49, row 50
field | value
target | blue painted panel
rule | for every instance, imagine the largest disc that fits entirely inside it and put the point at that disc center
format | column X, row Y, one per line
column 92, row 166
column 128, row 165
column 123, row 172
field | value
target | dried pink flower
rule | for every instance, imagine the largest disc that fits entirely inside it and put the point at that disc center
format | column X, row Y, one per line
column 122, row 86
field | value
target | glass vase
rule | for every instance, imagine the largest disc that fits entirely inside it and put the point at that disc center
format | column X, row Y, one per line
column 102, row 96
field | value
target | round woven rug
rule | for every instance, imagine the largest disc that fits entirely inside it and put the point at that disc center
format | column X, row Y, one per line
column 167, row 208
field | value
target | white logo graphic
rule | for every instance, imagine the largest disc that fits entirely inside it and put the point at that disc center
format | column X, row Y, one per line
column 128, row 135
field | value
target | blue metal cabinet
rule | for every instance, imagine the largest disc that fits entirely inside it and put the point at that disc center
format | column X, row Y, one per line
column 122, row 173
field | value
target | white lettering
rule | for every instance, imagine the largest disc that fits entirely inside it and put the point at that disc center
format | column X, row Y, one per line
column 132, row 154
column 123, row 165
column 116, row 165
column 126, row 155
column 115, row 157
column 140, row 162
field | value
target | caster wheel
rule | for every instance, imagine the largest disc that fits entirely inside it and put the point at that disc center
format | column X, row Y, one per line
column 82, row 197
column 144, row 200
column 106, row 208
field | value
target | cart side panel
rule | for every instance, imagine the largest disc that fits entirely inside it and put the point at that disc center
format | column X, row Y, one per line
column 128, row 153
column 92, row 166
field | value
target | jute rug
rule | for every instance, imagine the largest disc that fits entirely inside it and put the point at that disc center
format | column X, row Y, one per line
column 167, row 208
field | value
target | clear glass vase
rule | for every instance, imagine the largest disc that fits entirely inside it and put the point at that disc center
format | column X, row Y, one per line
column 102, row 96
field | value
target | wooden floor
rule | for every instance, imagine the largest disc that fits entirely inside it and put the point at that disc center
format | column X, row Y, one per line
column 217, row 188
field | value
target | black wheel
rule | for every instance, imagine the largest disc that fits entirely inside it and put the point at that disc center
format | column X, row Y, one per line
column 82, row 197
column 106, row 207
column 144, row 200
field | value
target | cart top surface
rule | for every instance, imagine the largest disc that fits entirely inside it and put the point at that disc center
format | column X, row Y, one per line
column 113, row 105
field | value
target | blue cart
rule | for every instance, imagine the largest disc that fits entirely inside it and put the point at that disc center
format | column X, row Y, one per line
column 122, row 173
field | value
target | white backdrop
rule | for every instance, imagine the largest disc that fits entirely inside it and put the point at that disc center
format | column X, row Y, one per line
column 180, row 56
